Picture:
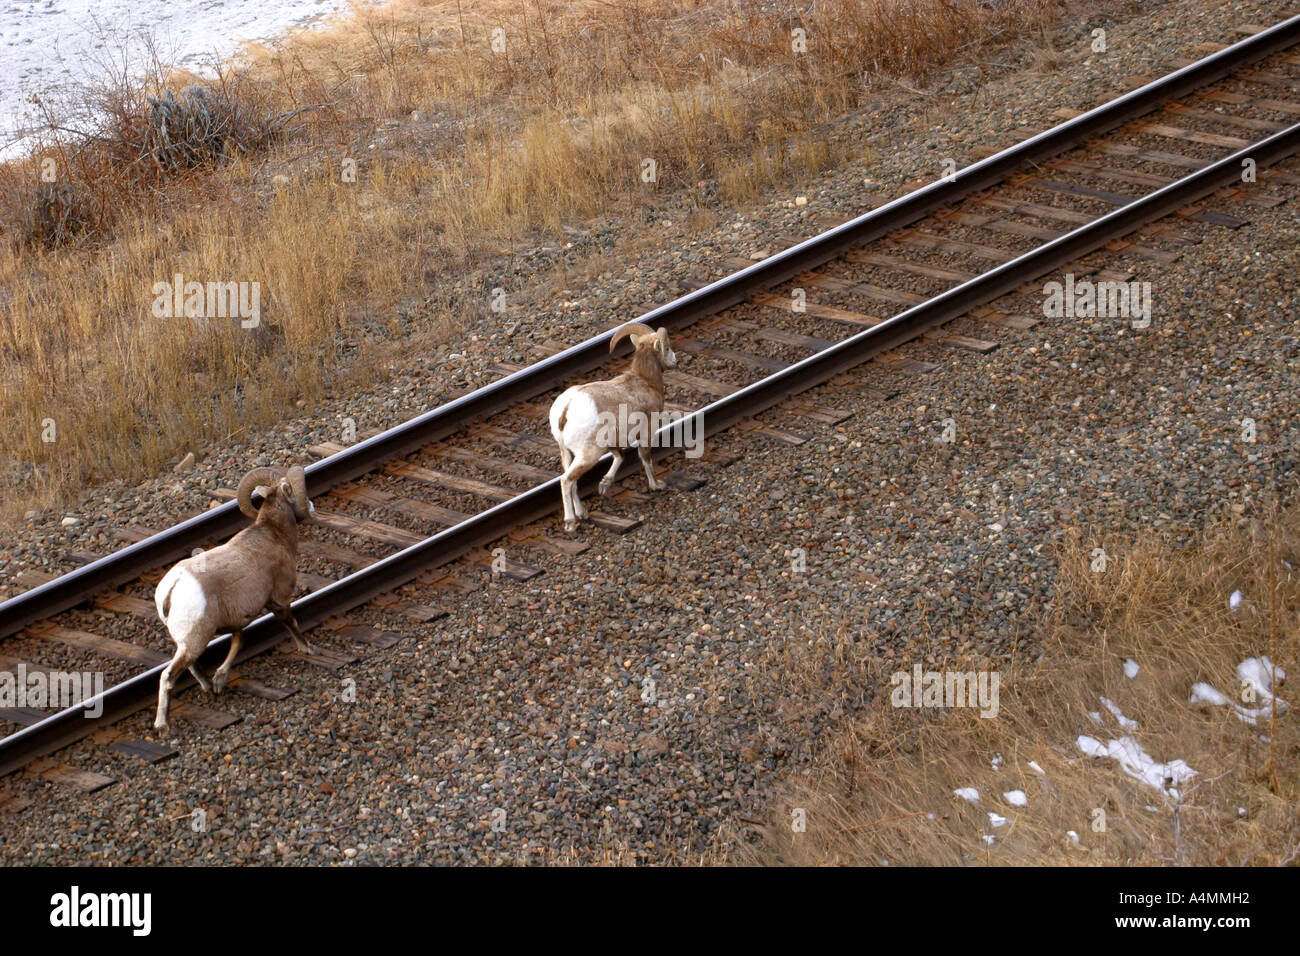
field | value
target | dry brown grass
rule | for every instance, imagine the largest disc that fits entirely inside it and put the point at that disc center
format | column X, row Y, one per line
column 882, row 790
column 460, row 151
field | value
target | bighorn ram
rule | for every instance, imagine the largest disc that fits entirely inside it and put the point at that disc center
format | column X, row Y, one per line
column 589, row 420
column 228, row 586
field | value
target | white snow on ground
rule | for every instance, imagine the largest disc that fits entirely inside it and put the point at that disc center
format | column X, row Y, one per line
column 1137, row 763
column 1033, row 765
column 50, row 45
column 1203, row 693
column 1257, row 673
column 1091, row 746
column 1118, row 715
column 1234, row 600
column 1132, row 758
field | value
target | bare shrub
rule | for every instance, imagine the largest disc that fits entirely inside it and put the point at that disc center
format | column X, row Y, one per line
column 459, row 150
column 58, row 215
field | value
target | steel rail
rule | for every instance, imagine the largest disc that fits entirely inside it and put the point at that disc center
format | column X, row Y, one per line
column 403, row 566
column 78, row 586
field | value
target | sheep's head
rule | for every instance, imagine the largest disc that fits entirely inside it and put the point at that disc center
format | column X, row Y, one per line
column 645, row 338
column 269, row 483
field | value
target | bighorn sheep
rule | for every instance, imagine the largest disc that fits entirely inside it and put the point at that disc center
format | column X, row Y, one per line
column 228, row 586
column 589, row 420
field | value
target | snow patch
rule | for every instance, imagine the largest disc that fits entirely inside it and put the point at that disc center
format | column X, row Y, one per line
column 1120, row 719
column 1137, row 763
column 49, row 48
column 1203, row 693
column 1257, row 673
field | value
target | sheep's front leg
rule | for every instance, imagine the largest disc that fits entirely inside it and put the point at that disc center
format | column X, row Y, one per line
column 219, row 676
column 655, row 484
column 284, row 614
column 613, row 470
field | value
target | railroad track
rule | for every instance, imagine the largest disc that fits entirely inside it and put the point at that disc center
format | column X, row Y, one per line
column 1121, row 178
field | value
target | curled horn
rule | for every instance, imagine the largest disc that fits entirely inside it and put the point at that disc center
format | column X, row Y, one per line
column 629, row 329
column 258, row 476
column 298, row 482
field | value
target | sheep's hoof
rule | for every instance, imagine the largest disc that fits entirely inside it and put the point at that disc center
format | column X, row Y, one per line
column 604, row 488
column 308, row 649
column 570, row 526
column 218, row 683
column 163, row 728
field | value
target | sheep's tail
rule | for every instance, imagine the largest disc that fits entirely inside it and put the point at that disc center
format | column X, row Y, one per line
column 559, row 418
column 163, row 598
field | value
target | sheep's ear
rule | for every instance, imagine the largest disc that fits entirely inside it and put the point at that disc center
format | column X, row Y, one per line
column 286, row 489
column 661, row 345
column 263, row 492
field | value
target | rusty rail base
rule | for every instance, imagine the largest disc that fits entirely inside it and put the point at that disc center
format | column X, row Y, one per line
column 80, row 585
column 349, row 592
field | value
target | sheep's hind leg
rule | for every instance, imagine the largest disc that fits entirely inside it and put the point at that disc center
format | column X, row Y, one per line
column 219, row 676
column 613, row 470
column 200, row 679
column 182, row 659
column 575, row 510
column 284, row 614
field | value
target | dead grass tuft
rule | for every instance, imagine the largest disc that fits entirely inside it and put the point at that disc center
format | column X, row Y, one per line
column 882, row 791
column 349, row 171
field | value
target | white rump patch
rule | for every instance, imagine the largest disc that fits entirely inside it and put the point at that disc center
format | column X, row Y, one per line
column 188, row 603
column 581, row 418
